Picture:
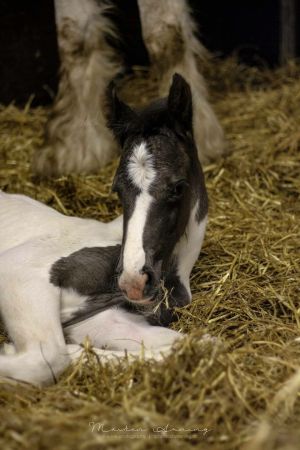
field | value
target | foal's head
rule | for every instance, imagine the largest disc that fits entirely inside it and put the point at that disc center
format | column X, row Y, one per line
column 159, row 182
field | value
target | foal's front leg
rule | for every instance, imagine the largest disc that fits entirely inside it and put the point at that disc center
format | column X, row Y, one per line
column 30, row 307
column 169, row 34
column 119, row 330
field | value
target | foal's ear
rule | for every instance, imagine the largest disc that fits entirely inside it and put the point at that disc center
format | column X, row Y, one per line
column 180, row 104
column 120, row 117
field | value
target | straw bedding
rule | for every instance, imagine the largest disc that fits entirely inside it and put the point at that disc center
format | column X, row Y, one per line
column 243, row 383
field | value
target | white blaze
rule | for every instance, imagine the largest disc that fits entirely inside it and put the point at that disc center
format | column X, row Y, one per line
column 134, row 256
column 142, row 174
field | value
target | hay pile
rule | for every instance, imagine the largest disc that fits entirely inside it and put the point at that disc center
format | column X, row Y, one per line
column 244, row 385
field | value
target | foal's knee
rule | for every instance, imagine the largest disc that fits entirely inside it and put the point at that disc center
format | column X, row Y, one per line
column 40, row 365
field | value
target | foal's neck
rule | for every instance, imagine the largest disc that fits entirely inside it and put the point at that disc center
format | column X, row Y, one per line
column 188, row 248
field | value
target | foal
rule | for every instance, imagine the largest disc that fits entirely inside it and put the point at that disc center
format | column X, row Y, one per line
column 63, row 278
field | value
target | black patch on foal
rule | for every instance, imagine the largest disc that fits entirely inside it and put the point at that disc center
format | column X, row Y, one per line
column 88, row 271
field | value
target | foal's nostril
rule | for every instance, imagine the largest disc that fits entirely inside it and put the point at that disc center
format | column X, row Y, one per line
column 133, row 287
column 148, row 289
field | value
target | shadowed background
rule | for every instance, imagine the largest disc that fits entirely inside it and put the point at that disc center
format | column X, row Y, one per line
column 252, row 29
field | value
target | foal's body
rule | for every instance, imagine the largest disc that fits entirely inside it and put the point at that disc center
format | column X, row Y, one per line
column 65, row 278
column 33, row 238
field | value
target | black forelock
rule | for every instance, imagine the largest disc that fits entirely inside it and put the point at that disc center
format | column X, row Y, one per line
column 154, row 117
column 150, row 120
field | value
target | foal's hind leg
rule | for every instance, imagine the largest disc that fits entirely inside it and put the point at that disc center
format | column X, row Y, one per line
column 30, row 308
column 76, row 137
column 169, row 34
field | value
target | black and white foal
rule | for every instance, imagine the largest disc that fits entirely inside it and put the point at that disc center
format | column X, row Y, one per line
column 65, row 278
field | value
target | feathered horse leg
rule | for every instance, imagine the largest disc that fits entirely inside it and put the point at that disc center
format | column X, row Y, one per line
column 169, row 33
column 76, row 136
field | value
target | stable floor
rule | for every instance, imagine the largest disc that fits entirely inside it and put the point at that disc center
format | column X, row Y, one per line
column 242, row 386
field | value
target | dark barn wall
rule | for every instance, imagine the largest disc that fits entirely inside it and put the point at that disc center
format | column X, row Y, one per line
column 28, row 51
column 131, row 45
column 28, row 48
column 248, row 28
column 251, row 29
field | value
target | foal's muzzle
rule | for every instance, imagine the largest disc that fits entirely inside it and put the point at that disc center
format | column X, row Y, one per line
column 139, row 288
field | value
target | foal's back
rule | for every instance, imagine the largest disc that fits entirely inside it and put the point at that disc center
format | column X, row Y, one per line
column 23, row 219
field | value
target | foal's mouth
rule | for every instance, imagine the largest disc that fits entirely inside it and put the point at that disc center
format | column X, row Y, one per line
column 139, row 289
column 149, row 300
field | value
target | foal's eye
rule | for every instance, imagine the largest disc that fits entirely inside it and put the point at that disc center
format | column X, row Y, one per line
column 178, row 190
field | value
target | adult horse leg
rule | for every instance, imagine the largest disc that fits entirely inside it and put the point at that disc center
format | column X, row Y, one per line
column 169, row 33
column 76, row 136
